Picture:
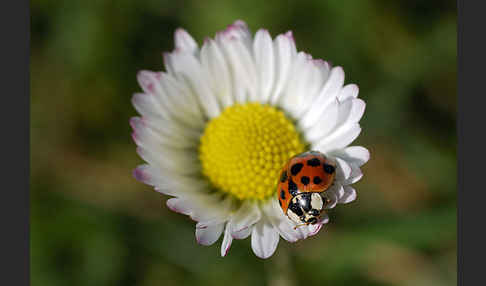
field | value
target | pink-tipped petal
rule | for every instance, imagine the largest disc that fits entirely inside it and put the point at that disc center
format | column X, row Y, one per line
column 148, row 81
column 227, row 240
column 140, row 175
column 184, row 41
column 209, row 235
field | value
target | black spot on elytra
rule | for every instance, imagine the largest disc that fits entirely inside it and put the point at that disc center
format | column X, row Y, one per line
column 296, row 209
column 284, row 177
column 317, row 180
column 328, row 168
column 305, row 180
column 314, row 212
column 314, row 162
column 292, row 187
column 282, row 194
column 295, row 169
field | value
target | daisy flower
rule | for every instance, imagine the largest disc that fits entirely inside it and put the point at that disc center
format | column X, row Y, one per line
column 218, row 125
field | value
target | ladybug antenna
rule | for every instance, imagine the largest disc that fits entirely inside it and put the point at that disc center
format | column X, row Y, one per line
column 299, row 225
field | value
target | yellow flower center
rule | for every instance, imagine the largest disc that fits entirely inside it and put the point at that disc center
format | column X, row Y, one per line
column 243, row 150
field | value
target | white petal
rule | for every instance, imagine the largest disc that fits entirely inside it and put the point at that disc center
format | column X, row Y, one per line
column 344, row 112
column 299, row 88
column 179, row 206
column 357, row 110
column 303, row 88
column 264, row 239
column 171, row 160
column 350, row 112
column 355, row 176
column 180, row 102
column 172, row 183
column 313, row 84
column 293, row 95
column 349, row 195
column 343, row 169
column 210, row 209
column 165, row 131
column 207, row 209
column 333, row 85
column 172, row 130
column 285, row 51
column 242, row 67
column 162, row 102
column 140, row 174
column 149, row 81
column 283, row 224
column 156, row 113
column 187, row 67
column 168, row 63
column 339, row 191
column 348, row 91
column 242, row 234
column 324, row 124
column 155, row 104
column 238, row 31
column 209, row 235
column 153, row 176
column 338, row 139
column 146, row 105
column 247, row 215
column 200, row 207
column 353, row 154
column 184, row 41
column 327, row 94
column 212, row 59
column 333, row 194
column 227, row 240
column 265, row 63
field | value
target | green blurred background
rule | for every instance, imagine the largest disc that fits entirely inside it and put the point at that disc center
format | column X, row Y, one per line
column 93, row 224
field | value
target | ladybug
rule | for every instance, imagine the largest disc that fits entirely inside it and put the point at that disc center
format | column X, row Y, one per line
column 303, row 181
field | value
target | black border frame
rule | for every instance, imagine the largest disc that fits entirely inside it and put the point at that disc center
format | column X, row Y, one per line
column 15, row 23
column 15, row 211
column 470, row 121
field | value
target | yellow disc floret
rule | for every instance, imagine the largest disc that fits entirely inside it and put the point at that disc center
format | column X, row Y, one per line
column 243, row 150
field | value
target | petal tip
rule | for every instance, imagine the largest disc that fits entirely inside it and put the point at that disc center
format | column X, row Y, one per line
column 290, row 35
column 134, row 122
column 139, row 174
column 239, row 23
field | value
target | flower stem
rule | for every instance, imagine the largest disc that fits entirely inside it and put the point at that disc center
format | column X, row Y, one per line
column 279, row 268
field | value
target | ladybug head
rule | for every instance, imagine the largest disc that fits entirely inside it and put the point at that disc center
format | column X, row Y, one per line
column 305, row 208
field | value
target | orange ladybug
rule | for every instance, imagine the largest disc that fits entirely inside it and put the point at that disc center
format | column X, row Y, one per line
column 302, row 182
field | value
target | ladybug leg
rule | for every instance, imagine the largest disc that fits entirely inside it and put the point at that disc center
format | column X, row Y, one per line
column 325, row 200
column 299, row 225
